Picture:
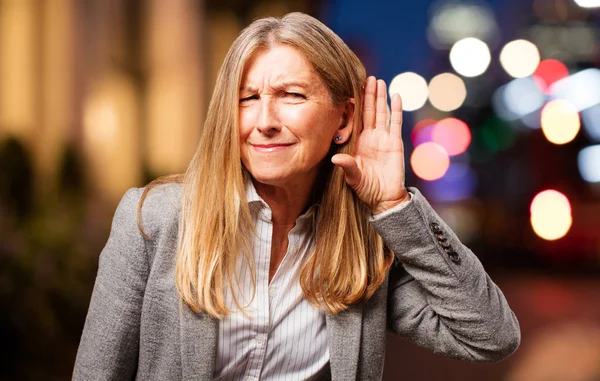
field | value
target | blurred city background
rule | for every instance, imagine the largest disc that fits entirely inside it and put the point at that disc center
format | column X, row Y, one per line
column 502, row 134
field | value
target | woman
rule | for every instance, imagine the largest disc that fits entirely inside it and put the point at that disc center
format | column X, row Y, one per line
column 291, row 244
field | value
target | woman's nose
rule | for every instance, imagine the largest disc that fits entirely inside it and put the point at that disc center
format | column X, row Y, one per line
column 267, row 120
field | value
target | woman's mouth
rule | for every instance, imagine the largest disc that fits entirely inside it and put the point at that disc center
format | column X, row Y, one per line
column 271, row 147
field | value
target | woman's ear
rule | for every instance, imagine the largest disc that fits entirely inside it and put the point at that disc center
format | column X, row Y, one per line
column 346, row 125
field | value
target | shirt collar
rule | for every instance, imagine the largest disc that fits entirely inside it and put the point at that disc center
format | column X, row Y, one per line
column 251, row 193
column 255, row 200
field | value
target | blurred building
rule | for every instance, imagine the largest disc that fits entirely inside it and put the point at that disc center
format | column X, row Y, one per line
column 125, row 82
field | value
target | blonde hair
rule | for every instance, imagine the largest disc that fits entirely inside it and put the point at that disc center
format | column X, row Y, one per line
column 349, row 261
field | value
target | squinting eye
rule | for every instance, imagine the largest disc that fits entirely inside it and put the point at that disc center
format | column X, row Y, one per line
column 248, row 98
column 296, row 95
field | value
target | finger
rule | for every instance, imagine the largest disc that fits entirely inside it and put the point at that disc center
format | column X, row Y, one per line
column 381, row 110
column 369, row 103
column 350, row 167
column 396, row 121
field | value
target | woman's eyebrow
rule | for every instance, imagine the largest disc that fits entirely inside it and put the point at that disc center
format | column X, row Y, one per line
column 283, row 84
column 294, row 84
column 249, row 89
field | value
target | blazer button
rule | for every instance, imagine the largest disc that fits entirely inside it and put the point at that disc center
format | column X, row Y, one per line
column 435, row 227
column 454, row 257
column 441, row 237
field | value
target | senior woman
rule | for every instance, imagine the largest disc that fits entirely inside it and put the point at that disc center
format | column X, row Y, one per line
column 291, row 244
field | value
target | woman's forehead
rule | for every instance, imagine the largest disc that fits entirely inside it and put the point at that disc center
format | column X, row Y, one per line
column 281, row 65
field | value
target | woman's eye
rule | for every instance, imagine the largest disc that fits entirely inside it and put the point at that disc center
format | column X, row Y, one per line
column 251, row 97
column 295, row 95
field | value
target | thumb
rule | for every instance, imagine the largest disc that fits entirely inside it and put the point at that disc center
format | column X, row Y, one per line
column 349, row 166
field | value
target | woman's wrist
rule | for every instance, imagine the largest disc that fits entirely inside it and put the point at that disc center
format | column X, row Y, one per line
column 387, row 205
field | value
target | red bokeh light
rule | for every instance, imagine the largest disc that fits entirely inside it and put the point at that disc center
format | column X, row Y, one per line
column 548, row 72
column 452, row 134
column 421, row 132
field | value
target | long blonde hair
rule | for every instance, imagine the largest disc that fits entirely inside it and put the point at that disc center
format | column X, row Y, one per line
column 349, row 262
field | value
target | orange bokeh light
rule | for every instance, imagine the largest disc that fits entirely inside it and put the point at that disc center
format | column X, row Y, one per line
column 551, row 215
column 430, row 161
column 452, row 134
column 560, row 121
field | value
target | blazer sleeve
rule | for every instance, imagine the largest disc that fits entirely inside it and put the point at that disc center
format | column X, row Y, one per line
column 439, row 295
column 109, row 344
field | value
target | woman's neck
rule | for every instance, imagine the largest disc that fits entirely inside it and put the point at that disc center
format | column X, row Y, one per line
column 286, row 201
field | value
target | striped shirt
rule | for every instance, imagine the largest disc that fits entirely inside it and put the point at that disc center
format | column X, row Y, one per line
column 283, row 337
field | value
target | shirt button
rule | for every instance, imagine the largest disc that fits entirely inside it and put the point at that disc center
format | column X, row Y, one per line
column 260, row 339
column 272, row 292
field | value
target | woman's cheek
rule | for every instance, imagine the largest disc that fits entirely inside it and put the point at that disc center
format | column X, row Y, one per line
column 302, row 116
column 245, row 123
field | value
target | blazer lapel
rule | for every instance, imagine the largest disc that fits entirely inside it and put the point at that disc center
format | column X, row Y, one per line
column 198, row 344
column 343, row 335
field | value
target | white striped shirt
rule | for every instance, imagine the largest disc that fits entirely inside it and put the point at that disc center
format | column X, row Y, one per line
column 283, row 337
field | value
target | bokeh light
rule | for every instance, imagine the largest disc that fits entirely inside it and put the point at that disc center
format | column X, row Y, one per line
column 447, row 92
column 412, row 88
column 588, row 3
column 548, row 72
column 421, row 132
column 101, row 122
column 588, row 161
column 520, row 58
column 430, row 161
column 560, row 121
column 521, row 97
column 551, row 215
column 470, row 57
column 591, row 122
column 500, row 107
column 582, row 89
column 452, row 134
column 496, row 135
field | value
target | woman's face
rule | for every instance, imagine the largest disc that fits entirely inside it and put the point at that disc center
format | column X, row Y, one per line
column 287, row 118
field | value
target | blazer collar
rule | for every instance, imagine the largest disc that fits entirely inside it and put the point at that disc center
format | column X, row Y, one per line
column 199, row 333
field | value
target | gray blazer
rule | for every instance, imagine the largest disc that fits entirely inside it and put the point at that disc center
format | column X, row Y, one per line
column 437, row 295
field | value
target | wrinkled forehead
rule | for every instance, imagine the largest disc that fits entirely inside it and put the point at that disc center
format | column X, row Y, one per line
column 278, row 64
column 279, row 67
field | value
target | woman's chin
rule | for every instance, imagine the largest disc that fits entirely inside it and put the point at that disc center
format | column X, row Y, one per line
column 284, row 177
column 270, row 178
